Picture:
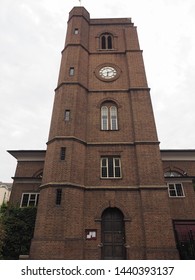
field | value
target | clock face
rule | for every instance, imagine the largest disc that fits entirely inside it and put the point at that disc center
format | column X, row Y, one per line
column 107, row 72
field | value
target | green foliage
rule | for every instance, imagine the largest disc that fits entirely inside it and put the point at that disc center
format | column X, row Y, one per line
column 2, row 238
column 2, row 230
column 16, row 231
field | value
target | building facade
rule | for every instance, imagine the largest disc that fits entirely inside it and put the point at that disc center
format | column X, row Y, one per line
column 101, row 186
column 27, row 178
column 5, row 190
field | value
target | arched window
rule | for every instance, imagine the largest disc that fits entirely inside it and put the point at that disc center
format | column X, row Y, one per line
column 103, row 42
column 106, row 41
column 109, row 118
column 104, row 118
column 109, row 42
column 113, row 118
column 173, row 173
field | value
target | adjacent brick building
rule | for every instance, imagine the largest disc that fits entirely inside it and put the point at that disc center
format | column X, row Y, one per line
column 105, row 189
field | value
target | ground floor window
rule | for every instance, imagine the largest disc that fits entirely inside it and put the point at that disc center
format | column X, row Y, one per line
column 29, row 199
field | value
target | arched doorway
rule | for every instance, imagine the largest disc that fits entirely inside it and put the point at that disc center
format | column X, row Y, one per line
column 113, row 235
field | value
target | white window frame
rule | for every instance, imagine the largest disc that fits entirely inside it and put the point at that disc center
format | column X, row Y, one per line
column 109, row 118
column 175, row 190
column 104, row 118
column 113, row 118
column 114, row 166
column 30, row 199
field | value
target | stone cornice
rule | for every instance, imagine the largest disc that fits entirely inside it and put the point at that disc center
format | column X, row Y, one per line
column 90, row 90
column 74, row 138
column 111, row 187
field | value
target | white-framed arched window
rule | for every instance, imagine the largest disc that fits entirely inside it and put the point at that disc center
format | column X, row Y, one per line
column 104, row 118
column 113, row 118
column 109, row 117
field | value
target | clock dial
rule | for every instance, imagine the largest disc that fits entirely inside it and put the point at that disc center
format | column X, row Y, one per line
column 107, row 72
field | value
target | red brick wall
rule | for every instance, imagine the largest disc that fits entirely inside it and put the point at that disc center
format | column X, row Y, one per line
column 25, row 181
column 182, row 208
column 140, row 194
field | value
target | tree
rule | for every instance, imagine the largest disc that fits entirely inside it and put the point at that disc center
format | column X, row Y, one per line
column 17, row 226
column 2, row 232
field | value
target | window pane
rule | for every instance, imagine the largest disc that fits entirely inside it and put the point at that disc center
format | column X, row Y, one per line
column 113, row 123
column 104, row 162
column 58, row 196
column 117, row 167
column 32, row 200
column 31, row 203
column 113, row 111
column 103, row 43
column 104, row 168
column 104, row 123
column 117, row 172
column 104, row 111
column 109, row 42
column 110, row 167
column 32, row 197
column 37, row 200
column 117, row 162
column 171, row 187
column 113, row 118
column 104, row 118
column 62, row 153
column 71, row 71
column 104, row 172
column 25, row 198
column 67, row 115
column 172, row 193
column 179, row 190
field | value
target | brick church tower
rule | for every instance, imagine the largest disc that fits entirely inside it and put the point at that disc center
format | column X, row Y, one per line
column 103, row 194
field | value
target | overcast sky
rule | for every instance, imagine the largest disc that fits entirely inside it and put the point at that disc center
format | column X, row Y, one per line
column 32, row 35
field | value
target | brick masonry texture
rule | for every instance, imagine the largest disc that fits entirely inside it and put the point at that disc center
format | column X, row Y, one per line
column 141, row 192
column 85, row 194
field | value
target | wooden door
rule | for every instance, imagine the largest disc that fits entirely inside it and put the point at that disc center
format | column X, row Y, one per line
column 185, row 239
column 113, row 235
